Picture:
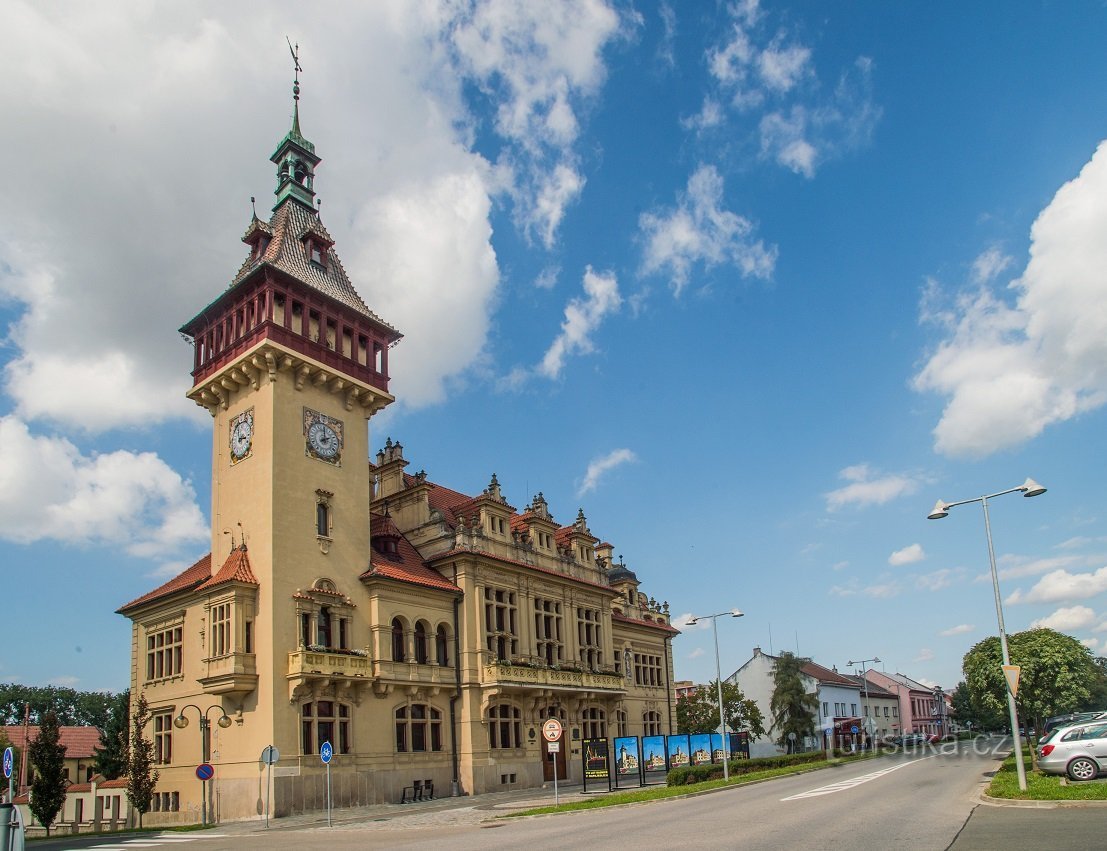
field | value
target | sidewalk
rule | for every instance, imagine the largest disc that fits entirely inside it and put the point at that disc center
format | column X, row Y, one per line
column 472, row 809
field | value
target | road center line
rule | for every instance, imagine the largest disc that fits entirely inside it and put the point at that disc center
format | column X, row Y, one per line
column 843, row 785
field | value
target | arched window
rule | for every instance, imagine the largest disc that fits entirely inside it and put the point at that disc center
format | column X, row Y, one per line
column 504, row 727
column 323, row 627
column 442, row 645
column 594, row 721
column 325, row 721
column 421, row 643
column 397, row 640
column 418, row 728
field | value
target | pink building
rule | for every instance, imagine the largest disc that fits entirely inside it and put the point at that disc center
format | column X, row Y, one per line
column 921, row 709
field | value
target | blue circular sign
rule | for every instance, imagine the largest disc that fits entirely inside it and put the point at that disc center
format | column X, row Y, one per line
column 204, row 771
column 9, row 762
column 326, row 752
column 853, row 729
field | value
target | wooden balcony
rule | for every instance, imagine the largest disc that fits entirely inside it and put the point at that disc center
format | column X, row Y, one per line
column 503, row 674
column 310, row 671
column 235, row 675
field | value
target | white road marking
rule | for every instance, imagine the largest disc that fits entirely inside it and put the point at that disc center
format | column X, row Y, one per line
column 844, row 785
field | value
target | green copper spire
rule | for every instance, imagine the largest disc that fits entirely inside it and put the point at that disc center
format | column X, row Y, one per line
column 295, row 156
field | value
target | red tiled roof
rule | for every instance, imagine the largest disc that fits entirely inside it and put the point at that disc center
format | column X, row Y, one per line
column 235, row 569
column 78, row 742
column 383, row 526
column 405, row 565
column 547, row 571
column 825, row 675
column 563, row 535
column 651, row 624
column 118, row 783
column 184, row 581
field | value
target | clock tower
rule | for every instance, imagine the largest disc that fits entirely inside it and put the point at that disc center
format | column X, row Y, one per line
column 291, row 364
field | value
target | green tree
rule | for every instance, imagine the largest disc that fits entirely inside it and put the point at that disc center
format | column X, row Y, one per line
column 71, row 708
column 111, row 756
column 47, row 757
column 1097, row 688
column 1056, row 673
column 699, row 713
column 793, row 709
column 141, row 776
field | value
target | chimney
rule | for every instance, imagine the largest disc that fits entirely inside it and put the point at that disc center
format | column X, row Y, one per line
column 757, row 651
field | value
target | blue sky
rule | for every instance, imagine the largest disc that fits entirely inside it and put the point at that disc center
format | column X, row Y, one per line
column 753, row 284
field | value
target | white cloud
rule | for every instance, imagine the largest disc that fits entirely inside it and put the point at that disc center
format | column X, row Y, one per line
column 882, row 590
column 781, row 68
column 684, row 622
column 925, row 655
column 1020, row 567
column 938, row 579
column 865, row 488
column 989, row 265
column 907, row 555
column 1067, row 619
column 696, row 654
column 152, row 234
column 1090, row 643
column 923, row 680
column 124, row 500
column 547, row 278
column 597, row 467
column 698, row 230
column 1011, row 367
column 583, row 316
column 960, row 629
column 1061, row 585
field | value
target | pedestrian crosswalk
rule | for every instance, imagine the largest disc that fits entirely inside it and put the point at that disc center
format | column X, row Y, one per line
column 153, row 840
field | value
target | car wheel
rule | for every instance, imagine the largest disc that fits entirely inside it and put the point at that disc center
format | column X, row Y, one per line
column 1083, row 769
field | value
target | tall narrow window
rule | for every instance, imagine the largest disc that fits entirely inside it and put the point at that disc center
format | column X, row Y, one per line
column 500, row 630
column 442, row 645
column 421, row 643
column 323, row 630
column 504, row 727
column 397, row 640
column 163, row 738
column 221, row 629
column 322, row 519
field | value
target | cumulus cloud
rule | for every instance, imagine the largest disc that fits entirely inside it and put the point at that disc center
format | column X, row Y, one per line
column 49, row 491
column 960, row 629
column 989, row 265
column 699, row 230
column 598, row 467
column 1014, row 567
column 414, row 214
column 1060, row 585
column 1013, row 363
column 907, row 555
column 925, row 655
column 938, row 579
column 866, row 487
column 583, row 317
column 1067, row 619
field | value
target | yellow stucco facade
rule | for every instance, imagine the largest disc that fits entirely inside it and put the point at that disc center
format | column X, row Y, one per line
column 425, row 633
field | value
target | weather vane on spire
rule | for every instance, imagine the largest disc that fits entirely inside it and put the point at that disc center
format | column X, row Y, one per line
column 295, row 51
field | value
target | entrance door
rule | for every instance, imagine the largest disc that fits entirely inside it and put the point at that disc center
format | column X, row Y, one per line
column 548, row 761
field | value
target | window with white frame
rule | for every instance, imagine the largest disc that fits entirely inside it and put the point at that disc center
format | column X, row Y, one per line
column 164, row 653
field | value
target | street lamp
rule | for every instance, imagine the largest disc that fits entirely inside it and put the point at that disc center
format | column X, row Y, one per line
column 865, row 685
column 941, row 509
column 224, row 721
column 733, row 613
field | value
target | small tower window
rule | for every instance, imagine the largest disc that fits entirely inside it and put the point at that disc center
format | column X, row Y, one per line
column 322, row 519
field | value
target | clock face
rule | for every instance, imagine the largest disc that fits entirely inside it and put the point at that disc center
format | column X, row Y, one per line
column 242, row 435
column 324, row 436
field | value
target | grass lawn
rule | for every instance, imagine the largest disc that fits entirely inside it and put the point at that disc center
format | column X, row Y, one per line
column 614, row 799
column 1042, row 787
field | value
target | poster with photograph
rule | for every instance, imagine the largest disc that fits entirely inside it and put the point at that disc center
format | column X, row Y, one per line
column 595, row 759
column 628, row 762
column 678, row 751
column 653, row 755
column 717, row 748
column 740, row 745
column 700, row 748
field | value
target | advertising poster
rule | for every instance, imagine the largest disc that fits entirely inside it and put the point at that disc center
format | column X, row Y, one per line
column 678, row 750
column 717, row 748
column 653, row 756
column 628, row 762
column 740, row 744
column 700, row 747
column 595, row 757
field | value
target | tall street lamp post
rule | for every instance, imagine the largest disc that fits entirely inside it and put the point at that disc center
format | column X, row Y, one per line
column 870, row 722
column 733, row 613
column 941, row 509
column 224, row 721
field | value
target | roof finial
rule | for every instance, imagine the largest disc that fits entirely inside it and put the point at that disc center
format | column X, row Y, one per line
column 253, row 208
column 295, row 85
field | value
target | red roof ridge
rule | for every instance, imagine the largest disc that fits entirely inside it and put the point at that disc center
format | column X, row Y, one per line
column 235, row 569
column 186, row 580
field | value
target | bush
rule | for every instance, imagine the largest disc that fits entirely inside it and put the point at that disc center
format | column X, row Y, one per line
column 700, row 773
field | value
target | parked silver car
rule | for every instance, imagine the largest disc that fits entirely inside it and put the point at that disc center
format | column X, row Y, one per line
column 1079, row 751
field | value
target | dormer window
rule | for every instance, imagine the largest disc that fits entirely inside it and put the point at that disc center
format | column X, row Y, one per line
column 317, row 253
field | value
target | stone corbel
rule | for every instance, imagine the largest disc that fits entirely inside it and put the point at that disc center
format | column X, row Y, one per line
column 351, row 397
column 381, row 689
column 336, row 385
column 239, row 376
column 301, row 376
column 271, row 365
column 321, row 378
column 220, row 397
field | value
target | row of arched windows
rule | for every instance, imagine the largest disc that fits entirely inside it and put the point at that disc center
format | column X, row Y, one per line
column 422, row 652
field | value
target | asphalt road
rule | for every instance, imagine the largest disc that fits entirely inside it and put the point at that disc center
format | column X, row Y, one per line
column 927, row 800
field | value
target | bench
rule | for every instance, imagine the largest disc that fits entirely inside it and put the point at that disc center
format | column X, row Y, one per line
column 419, row 790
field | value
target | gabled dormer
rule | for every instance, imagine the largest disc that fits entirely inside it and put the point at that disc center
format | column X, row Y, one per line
column 540, row 525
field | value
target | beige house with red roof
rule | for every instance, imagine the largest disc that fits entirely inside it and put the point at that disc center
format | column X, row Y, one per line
column 425, row 633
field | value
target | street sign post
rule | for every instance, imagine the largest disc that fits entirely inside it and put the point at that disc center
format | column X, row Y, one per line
column 326, row 752
column 551, row 732
column 204, row 771
column 269, row 755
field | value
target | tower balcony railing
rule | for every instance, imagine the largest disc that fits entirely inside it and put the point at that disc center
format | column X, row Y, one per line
column 310, row 669
column 234, row 674
column 525, row 674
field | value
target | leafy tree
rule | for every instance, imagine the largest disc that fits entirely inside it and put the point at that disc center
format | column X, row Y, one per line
column 1097, row 688
column 71, row 708
column 47, row 757
column 111, row 755
column 699, row 713
column 793, row 709
column 141, row 776
column 1056, row 673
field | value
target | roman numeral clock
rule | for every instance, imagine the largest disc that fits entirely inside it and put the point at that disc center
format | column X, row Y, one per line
column 323, row 437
